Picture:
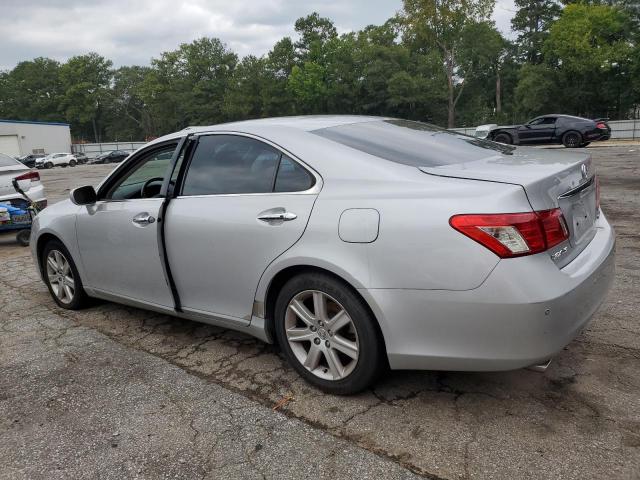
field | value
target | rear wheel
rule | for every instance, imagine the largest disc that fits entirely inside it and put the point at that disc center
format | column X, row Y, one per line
column 327, row 334
column 503, row 138
column 572, row 139
column 62, row 277
column 73, row 163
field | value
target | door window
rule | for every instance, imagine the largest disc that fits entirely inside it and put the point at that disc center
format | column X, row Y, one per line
column 231, row 164
column 543, row 121
column 149, row 170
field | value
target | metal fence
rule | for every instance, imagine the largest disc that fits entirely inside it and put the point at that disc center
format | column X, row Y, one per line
column 92, row 150
column 620, row 129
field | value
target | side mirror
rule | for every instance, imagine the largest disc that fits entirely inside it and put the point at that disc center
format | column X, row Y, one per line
column 83, row 195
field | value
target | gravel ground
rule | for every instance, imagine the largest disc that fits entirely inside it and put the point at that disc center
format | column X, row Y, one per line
column 580, row 419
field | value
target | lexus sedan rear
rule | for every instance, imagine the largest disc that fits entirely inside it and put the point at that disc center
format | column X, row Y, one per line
column 354, row 243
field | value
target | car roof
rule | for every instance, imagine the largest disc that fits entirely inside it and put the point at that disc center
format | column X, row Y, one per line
column 303, row 123
column 562, row 115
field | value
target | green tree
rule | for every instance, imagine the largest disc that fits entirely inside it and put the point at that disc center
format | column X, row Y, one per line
column 307, row 83
column 32, row 91
column 243, row 97
column 86, row 81
column 532, row 22
column 130, row 116
column 591, row 49
column 439, row 24
column 187, row 86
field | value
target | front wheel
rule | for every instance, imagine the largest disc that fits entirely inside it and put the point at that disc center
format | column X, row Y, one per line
column 327, row 334
column 503, row 138
column 62, row 277
column 48, row 165
column 572, row 139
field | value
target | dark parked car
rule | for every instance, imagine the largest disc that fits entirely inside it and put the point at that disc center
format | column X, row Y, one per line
column 30, row 160
column 82, row 158
column 570, row 131
column 110, row 157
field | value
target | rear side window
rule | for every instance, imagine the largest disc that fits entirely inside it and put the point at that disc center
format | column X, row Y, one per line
column 292, row 177
column 232, row 164
column 412, row 143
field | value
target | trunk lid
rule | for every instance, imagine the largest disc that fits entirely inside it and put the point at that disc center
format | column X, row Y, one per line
column 7, row 174
column 551, row 179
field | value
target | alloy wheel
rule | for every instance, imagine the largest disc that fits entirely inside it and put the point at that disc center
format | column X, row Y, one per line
column 573, row 140
column 322, row 335
column 60, row 276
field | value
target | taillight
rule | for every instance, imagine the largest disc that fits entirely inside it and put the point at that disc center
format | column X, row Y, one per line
column 601, row 125
column 514, row 234
column 31, row 175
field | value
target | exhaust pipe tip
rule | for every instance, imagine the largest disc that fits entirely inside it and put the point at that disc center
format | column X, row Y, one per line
column 541, row 367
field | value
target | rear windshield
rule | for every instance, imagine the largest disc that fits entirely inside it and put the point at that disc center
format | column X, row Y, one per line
column 7, row 161
column 412, row 143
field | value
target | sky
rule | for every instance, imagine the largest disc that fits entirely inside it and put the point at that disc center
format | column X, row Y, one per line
column 131, row 32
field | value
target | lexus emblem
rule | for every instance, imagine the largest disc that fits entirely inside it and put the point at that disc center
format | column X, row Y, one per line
column 585, row 170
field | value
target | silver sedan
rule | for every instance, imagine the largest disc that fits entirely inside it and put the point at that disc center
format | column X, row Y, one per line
column 354, row 243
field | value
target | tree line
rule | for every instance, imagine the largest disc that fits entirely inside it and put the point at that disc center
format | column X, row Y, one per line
column 440, row 61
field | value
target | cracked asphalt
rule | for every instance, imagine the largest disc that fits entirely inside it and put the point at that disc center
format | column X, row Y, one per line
column 117, row 392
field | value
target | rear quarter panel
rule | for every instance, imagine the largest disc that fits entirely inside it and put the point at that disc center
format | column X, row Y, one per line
column 416, row 247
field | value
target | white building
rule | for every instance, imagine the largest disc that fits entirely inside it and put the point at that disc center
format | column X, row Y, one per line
column 18, row 137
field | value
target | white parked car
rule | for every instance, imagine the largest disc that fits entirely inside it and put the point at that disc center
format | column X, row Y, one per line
column 57, row 159
column 28, row 180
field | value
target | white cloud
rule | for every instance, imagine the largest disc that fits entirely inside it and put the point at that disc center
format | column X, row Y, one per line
column 132, row 31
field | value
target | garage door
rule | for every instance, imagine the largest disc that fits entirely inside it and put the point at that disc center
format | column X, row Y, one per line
column 9, row 145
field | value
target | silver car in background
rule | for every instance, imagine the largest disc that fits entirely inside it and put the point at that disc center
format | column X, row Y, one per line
column 354, row 243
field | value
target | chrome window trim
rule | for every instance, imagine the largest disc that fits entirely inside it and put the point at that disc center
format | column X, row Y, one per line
column 317, row 186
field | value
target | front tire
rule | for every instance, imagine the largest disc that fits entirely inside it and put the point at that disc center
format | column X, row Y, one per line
column 572, row 139
column 48, row 165
column 327, row 334
column 503, row 138
column 62, row 277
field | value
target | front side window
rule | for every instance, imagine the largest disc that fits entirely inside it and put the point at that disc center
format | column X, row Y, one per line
column 144, row 179
column 232, row 164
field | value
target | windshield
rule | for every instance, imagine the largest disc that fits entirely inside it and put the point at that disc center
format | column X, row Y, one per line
column 7, row 161
column 412, row 143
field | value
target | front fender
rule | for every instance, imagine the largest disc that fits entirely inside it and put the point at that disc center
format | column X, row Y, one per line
column 58, row 221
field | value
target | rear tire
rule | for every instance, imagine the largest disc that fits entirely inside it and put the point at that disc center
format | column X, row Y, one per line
column 61, row 277
column 572, row 139
column 503, row 138
column 334, row 347
column 72, row 163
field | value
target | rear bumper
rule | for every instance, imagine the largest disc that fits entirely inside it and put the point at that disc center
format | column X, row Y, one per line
column 525, row 312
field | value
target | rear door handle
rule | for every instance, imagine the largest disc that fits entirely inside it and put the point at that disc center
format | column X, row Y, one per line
column 143, row 219
column 277, row 217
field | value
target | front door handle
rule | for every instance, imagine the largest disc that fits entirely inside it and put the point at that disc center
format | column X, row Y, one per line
column 277, row 217
column 143, row 219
